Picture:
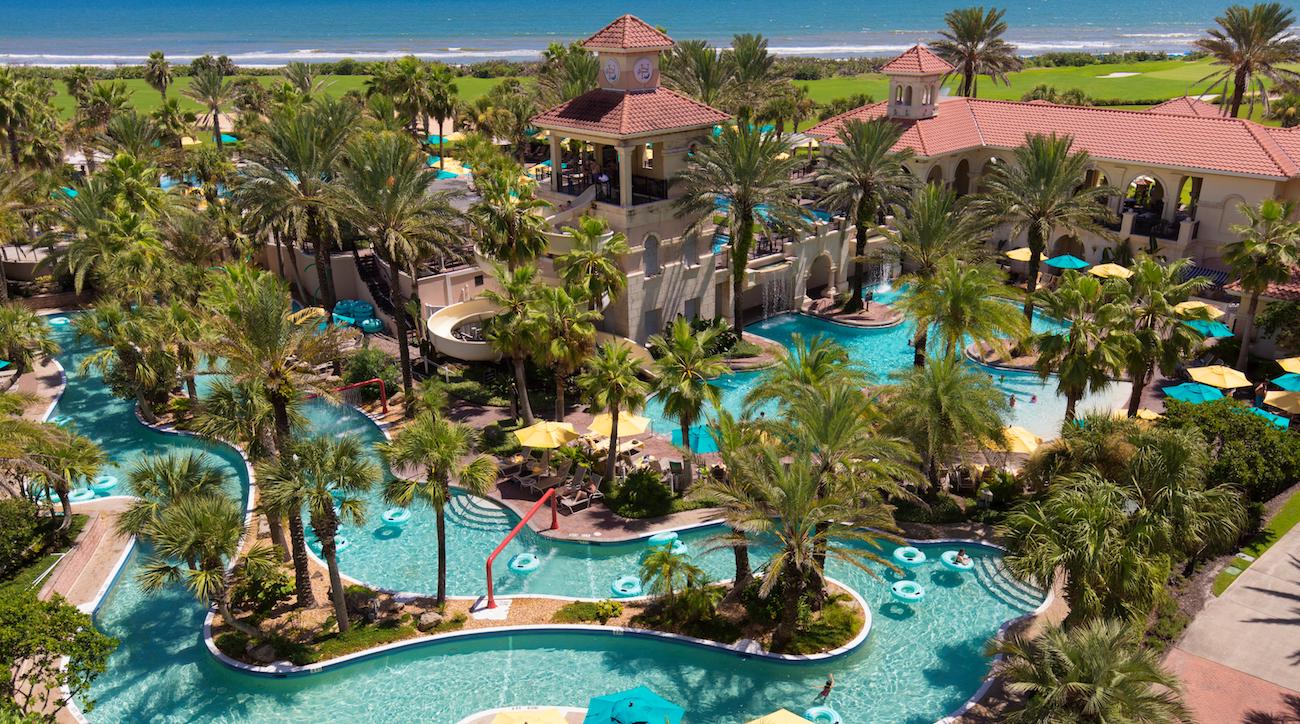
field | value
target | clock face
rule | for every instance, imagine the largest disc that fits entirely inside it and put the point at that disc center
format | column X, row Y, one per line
column 644, row 69
column 611, row 70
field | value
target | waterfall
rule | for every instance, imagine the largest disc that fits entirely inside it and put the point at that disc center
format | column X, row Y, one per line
column 776, row 295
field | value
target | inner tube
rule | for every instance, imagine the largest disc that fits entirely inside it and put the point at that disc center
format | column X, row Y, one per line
column 908, row 591
column 104, row 483
column 525, row 562
column 61, row 420
column 661, row 539
column 949, row 561
column 822, row 715
column 59, row 321
column 679, row 548
column 371, row 325
column 626, row 587
column 81, row 495
column 396, row 517
column 909, row 556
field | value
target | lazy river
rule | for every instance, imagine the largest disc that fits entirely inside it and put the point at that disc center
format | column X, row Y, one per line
column 919, row 663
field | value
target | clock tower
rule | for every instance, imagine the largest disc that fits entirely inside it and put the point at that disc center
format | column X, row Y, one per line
column 628, row 51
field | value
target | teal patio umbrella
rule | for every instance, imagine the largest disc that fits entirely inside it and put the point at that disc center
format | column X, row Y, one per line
column 1278, row 420
column 1194, row 392
column 4, row 363
column 634, row 706
column 1209, row 327
column 1067, row 261
column 1289, row 381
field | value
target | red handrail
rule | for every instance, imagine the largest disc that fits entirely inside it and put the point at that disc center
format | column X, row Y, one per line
column 383, row 392
column 555, row 525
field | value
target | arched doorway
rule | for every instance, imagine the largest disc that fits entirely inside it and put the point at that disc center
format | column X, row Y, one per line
column 1068, row 245
column 819, row 276
column 935, row 176
column 650, row 255
column 1145, row 195
column 961, row 178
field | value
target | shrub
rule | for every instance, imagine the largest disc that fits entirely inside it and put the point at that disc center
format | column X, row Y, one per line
column 367, row 364
column 584, row 611
column 941, row 510
column 1246, row 451
column 261, row 591
column 642, row 494
column 18, row 531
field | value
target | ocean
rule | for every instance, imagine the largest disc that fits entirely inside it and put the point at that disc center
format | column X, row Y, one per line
column 272, row 32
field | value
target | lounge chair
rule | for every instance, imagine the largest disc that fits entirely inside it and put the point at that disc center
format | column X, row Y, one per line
column 575, row 501
column 550, row 481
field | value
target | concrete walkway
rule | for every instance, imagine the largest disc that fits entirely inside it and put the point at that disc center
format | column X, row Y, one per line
column 1251, row 632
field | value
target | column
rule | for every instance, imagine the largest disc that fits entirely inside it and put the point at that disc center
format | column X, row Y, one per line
column 624, row 176
column 557, row 161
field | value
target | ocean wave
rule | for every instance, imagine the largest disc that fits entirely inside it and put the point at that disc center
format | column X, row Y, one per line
column 273, row 58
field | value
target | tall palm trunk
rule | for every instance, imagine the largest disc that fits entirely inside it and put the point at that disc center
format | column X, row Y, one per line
column 559, row 394
column 1035, row 258
column 791, row 594
column 744, row 573
column 1139, row 379
column 521, row 387
column 1238, row 89
column 1071, row 402
column 329, row 551
column 222, row 599
column 301, row 574
column 145, row 408
column 440, row 522
column 12, row 133
column 66, row 504
column 403, row 351
column 216, row 128
column 324, row 268
column 688, row 463
column 740, row 247
column 918, row 347
column 864, row 215
column 611, row 453
column 1247, row 329
column 275, row 527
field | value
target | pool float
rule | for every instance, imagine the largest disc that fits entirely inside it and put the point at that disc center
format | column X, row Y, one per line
column 822, row 715
column 370, row 326
column 81, row 495
column 104, row 483
column 396, row 517
column 341, row 543
column 61, row 420
column 679, row 548
column 909, row 556
column 525, row 563
column 59, row 321
column 659, row 540
column 949, row 560
column 626, row 586
column 908, row 591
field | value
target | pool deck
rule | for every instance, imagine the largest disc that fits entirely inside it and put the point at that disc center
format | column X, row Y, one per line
column 45, row 383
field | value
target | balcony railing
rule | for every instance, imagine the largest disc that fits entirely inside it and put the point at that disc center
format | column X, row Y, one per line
column 644, row 190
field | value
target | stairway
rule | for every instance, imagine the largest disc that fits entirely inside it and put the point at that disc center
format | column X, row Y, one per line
column 377, row 282
column 470, row 512
column 1005, row 587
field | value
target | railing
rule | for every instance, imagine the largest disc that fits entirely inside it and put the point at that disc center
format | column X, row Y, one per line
column 555, row 525
column 383, row 390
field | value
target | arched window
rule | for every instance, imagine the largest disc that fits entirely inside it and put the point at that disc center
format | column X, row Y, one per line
column 898, row 94
column 650, row 255
column 907, row 97
column 925, row 96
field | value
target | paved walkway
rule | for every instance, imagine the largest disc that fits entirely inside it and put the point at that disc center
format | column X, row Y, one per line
column 1249, row 635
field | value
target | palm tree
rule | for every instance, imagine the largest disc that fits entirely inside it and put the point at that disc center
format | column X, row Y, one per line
column 133, row 353
column 1041, row 192
column 567, row 72
column 512, row 331
column 593, row 261
column 936, row 226
column 385, row 190
column 945, row 408
column 700, row 71
column 611, row 383
column 743, row 168
column 287, row 183
column 664, row 573
column 209, row 89
column 738, row 443
column 566, row 332
column 511, row 228
column 25, row 339
column 21, row 201
column 158, row 482
column 66, row 458
column 1097, row 672
column 325, row 476
column 1158, row 335
column 961, row 304
column 753, row 68
column 807, row 364
column 684, row 365
column 973, row 45
column 1265, row 252
column 158, row 73
column 1085, row 353
column 442, row 103
column 441, row 450
column 185, row 330
column 193, row 542
column 863, row 176
column 1253, row 43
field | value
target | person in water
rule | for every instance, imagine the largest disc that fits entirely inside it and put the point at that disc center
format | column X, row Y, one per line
column 826, row 690
column 1033, row 398
column 961, row 558
column 1012, row 400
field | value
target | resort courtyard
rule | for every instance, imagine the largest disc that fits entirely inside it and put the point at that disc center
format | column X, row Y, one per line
column 649, row 390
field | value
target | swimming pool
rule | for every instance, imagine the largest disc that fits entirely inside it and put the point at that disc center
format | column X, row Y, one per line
column 882, row 352
column 918, row 664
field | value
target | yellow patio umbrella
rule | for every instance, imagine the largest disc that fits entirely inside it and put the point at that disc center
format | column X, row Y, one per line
column 1211, row 310
column 782, row 156
column 628, row 424
column 780, row 716
column 186, row 141
column 1021, row 254
column 1106, row 271
column 1288, row 402
column 531, row 716
column 1143, row 413
column 1220, row 376
column 1020, row 440
column 546, row 434
column 1290, row 364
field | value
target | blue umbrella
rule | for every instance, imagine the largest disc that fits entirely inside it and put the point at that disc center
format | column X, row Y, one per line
column 634, row 706
column 1067, row 261
column 227, row 138
column 1209, row 327
column 1193, row 392
column 1288, row 381
column 4, row 363
column 1278, row 420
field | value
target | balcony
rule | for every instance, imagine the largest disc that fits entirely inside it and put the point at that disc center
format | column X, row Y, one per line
column 645, row 190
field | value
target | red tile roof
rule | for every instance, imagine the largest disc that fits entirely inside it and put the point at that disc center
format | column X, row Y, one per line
column 1287, row 291
column 1187, row 106
column 917, row 60
column 1217, row 144
column 631, row 113
column 628, row 33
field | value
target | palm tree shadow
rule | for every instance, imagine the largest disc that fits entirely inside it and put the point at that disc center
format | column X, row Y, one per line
column 1290, row 713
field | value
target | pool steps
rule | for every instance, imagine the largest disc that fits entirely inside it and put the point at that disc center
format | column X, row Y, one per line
column 1005, row 586
column 478, row 516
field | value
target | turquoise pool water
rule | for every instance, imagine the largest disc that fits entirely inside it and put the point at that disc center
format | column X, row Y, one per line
column 882, row 352
column 919, row 663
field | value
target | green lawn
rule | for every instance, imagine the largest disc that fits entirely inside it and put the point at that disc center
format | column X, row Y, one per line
column 1286, row 518
column 24, row 578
